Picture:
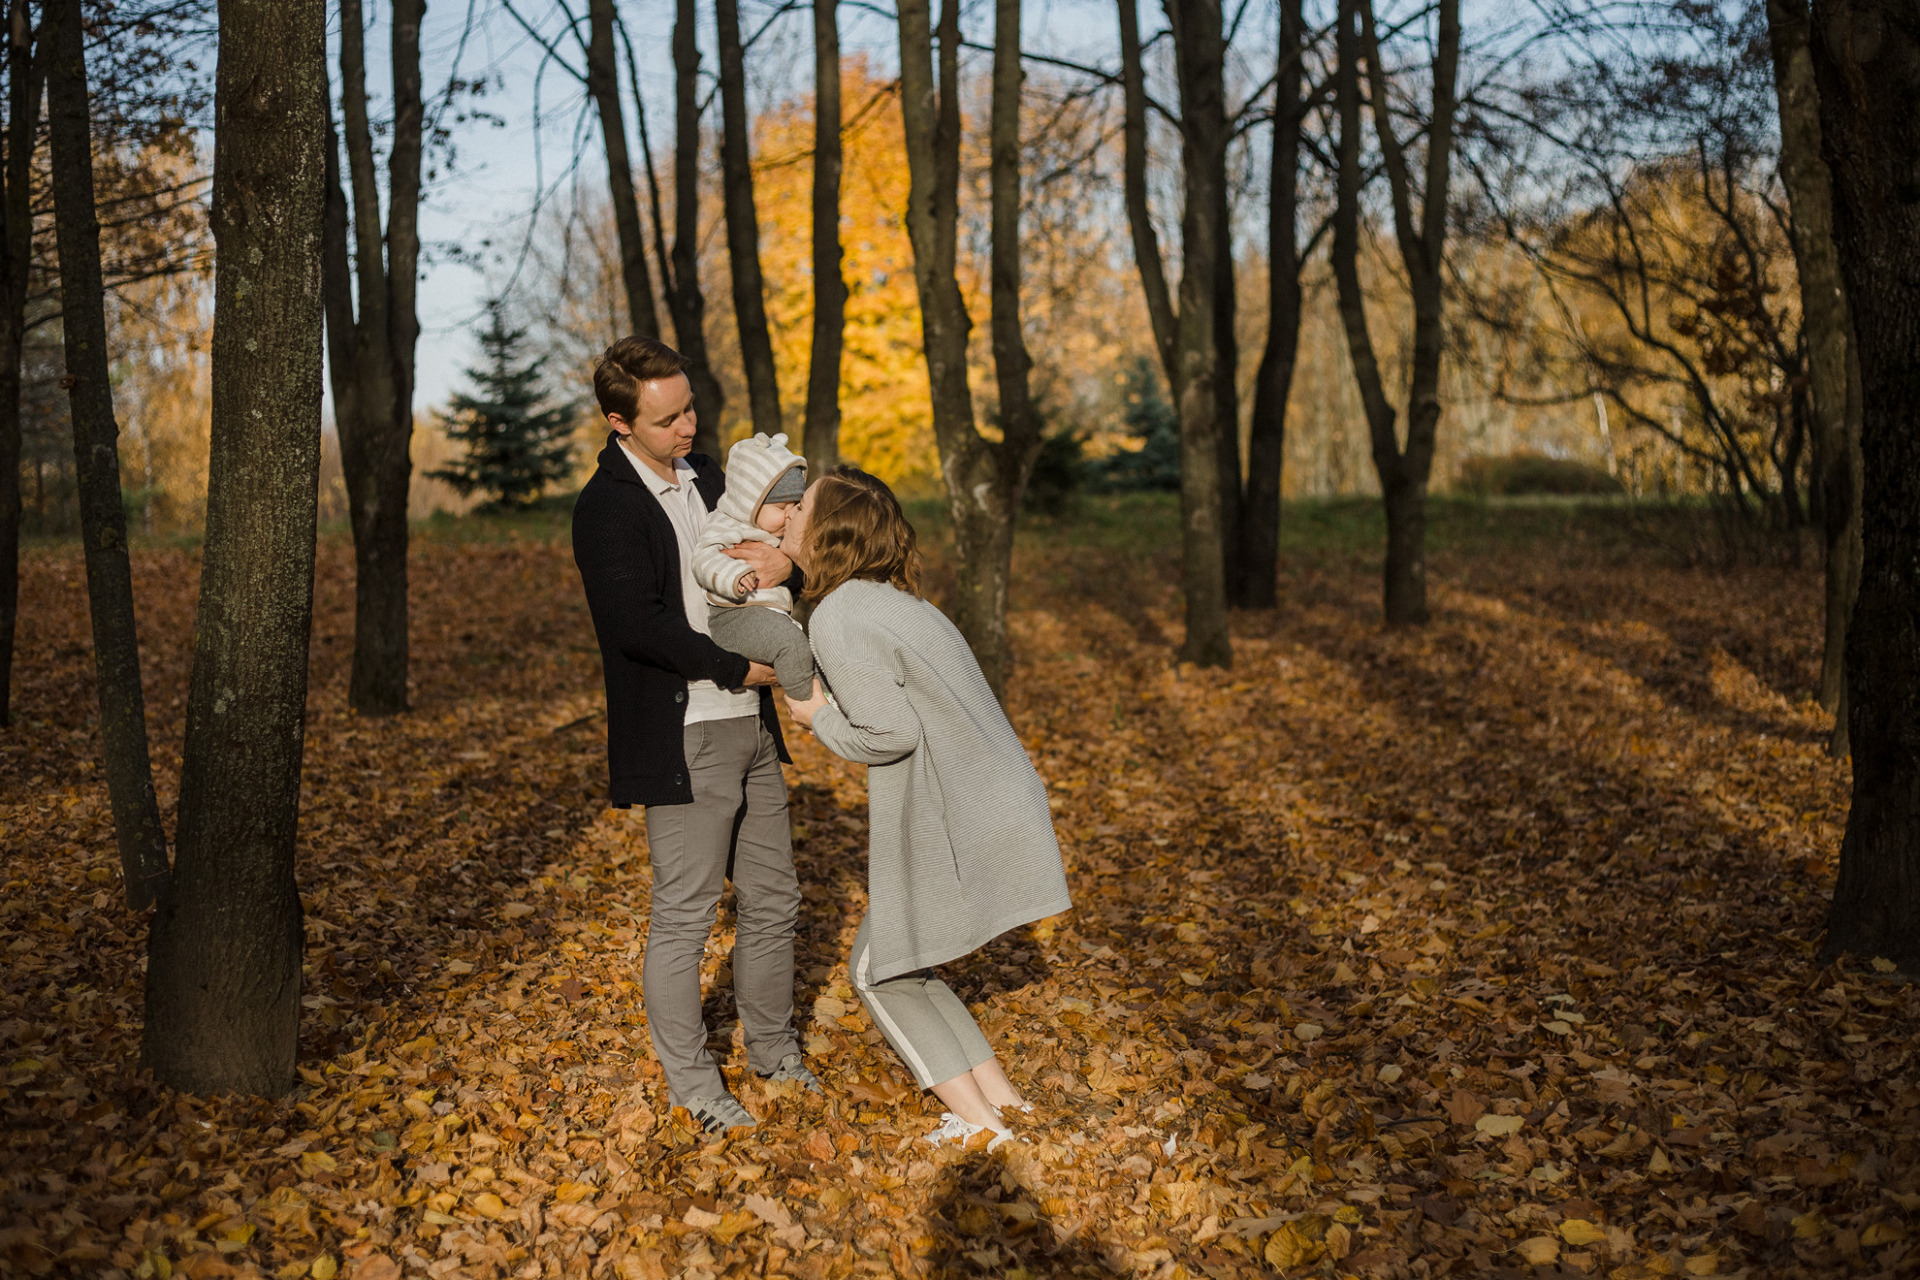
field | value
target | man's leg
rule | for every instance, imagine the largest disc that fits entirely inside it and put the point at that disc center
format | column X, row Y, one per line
column 688, row 844
column 767, row 907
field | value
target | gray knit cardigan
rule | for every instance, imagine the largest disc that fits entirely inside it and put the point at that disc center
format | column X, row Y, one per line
column 961, row 844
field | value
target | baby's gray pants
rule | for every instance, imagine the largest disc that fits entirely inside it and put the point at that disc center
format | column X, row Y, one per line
column 766, row 635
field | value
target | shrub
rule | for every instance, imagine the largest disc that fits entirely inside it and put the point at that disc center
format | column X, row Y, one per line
column 1516, row 474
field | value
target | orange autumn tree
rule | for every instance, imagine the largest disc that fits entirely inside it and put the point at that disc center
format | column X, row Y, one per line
column 886, row 423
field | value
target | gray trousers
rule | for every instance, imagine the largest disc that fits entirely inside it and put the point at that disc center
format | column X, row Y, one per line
column 766, row 635
column 921, row 1018
column 736, row 826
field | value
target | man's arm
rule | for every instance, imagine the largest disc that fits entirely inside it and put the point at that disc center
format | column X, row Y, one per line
column 633, row 614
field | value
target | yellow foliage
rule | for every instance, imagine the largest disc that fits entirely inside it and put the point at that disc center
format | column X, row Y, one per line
column 886, row 414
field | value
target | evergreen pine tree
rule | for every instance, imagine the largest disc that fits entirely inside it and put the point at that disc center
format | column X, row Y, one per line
column 1152, row 421
column 515, row 447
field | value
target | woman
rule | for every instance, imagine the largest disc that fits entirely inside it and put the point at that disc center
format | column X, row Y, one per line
column 961, row 845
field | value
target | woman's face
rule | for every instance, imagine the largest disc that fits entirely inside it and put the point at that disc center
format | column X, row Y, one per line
column 793, row 539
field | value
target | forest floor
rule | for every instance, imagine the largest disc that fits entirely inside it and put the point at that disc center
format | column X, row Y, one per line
column 1483, row 949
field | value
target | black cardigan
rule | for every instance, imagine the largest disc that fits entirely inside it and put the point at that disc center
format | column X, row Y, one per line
column 629, row 561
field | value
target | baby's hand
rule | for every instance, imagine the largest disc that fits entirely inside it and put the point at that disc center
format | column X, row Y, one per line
column 748, row 584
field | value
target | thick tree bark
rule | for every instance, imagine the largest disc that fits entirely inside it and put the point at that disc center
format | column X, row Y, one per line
column 984, row 479
column 1823, row 307
column 1266, row 442
column 1403, row 471
column 96, row 458
column 25, row 72
column 1200, row 60
column 821, row 438
column 223, row 973
column 688, row 303
column 1866, row 60
column 1146, row 241
column 376, row 422
column 1226, row 377
column 603, row 86
column 743, row 226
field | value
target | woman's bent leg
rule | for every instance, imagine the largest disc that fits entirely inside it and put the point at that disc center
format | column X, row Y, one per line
column 993, row 1083
column 905, row 1011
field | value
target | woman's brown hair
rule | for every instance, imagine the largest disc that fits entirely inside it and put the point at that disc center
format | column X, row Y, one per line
column 857, row 530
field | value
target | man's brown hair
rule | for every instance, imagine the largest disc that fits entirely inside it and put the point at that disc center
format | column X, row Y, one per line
column 626, row 364
column 857, row 530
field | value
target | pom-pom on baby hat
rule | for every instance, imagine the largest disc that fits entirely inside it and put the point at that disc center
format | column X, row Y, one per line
column 755, row 467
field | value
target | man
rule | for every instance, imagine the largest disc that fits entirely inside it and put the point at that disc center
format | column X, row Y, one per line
column 691, row 732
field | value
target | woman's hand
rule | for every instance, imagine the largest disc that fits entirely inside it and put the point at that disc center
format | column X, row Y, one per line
column 803, row 712
column 767, row 564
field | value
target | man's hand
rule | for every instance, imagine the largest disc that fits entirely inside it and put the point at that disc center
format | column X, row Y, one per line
column 759, row 674
column 769, row 564
column 802, row 712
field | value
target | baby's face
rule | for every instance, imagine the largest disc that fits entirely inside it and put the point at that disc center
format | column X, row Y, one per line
column 772, row 517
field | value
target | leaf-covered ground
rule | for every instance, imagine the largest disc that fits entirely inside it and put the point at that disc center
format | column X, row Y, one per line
column 1486, row 949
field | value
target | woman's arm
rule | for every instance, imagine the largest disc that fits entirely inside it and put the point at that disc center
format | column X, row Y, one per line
column 873, row 722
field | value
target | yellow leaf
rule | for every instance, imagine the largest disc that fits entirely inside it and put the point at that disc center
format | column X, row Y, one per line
column 491, row 1205
column 572, row 1192
column 1192, row 979
column 1307, row 1032
column 731, row 1225
column 1540, row 1250
column 516, row 910
column 439, row 1219
column 1880, row 1233
column 1705, row 1265
column 315, row 1161
column 1884, row 965
column 324, row 1267
column 1499, row 1126
column 1808, row 1225
column 1579, row 1233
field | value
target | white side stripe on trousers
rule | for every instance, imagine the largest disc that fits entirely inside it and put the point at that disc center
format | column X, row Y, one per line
column 879, row 1010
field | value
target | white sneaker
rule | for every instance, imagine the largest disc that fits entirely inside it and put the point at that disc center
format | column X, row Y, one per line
column 954, row 1129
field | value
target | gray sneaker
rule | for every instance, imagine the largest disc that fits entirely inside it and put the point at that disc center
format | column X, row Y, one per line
column 793, row 1067
column 717, row 1115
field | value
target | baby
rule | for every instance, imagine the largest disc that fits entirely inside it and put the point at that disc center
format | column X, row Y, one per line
column 765, row 481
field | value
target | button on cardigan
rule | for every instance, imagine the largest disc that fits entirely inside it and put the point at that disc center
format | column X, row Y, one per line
column 961, row 843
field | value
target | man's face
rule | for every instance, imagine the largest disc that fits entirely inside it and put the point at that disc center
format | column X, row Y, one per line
column 663, row 421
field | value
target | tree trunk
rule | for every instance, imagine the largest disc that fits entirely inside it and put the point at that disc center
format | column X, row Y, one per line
column 376, row 426
column 25, row 70
column 1146, row 241
column 1403, row 471
column 1200, row 60
column 1266, row 443
column 1866, row 61
column 743, row 226
column 689, row 304
column 1823, row 305
column 223, row 973
column 983, row 479
column 1226, row 378
column 603, row 86
column 821, row 437
column 96, row 461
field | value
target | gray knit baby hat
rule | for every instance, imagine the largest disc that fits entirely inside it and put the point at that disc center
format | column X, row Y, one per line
column 791, row 486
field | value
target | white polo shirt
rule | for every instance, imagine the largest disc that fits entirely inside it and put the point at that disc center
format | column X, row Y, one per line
column 687, row 511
